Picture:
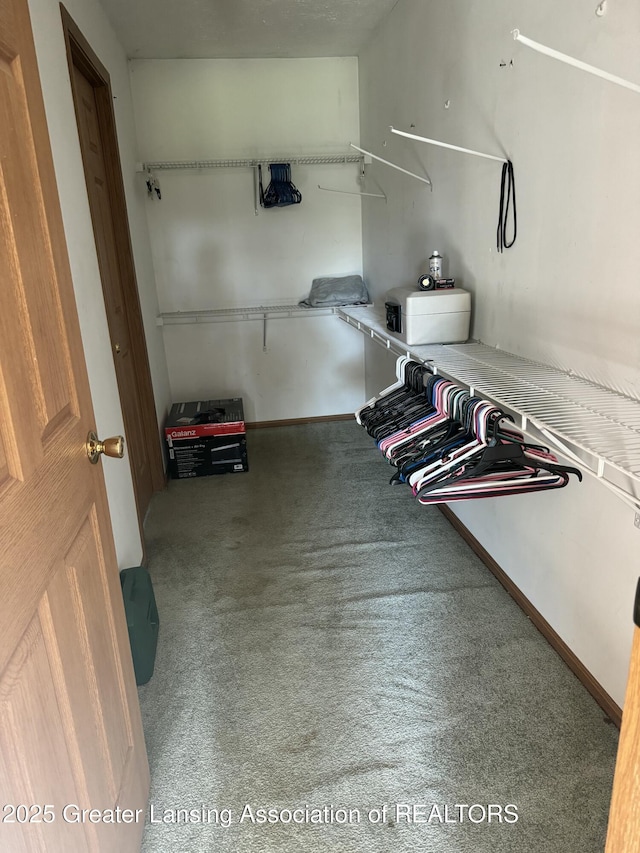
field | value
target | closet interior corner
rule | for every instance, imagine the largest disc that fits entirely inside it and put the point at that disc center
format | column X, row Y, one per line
column 502, row 128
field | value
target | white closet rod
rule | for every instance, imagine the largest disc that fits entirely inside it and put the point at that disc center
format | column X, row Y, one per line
column 393, row 165
column 577, row 63
column 447, row 145
column 348, row 192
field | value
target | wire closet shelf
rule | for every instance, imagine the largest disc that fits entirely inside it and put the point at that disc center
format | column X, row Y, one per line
column 595, row 427
column 252, row 163
column 252, row 312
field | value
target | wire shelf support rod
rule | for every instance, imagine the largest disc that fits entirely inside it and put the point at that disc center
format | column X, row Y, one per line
column 446, row 145
column 393, row 165
column 577, row 63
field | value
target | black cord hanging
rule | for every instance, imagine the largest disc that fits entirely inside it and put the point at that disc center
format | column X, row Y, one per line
column 507, row 195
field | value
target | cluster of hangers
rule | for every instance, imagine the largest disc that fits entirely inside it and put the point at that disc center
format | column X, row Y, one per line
column 281, row 192
column 449, row 446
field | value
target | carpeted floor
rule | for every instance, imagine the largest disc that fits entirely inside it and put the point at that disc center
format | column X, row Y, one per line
column 327, row 643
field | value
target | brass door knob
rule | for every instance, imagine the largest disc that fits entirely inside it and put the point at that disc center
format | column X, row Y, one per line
column 113, row 446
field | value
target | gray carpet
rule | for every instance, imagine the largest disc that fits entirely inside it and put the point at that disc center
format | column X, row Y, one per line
column 326, row 642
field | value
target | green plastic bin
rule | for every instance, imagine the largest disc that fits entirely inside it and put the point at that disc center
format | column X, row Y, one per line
column 142, row 620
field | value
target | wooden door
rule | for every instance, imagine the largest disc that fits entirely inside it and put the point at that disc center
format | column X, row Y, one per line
column 104, row 234
column 624, row 817
column 96, row 127
column 70, row 727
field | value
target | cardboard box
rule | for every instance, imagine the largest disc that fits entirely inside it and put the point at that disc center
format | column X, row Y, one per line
column 206, row 437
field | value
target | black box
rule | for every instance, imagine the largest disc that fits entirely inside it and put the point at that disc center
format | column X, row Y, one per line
column 206, row 437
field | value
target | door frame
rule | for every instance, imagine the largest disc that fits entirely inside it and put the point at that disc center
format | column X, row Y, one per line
column 80, row 53
column 623, row 832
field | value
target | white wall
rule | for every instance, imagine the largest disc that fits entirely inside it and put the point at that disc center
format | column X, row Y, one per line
column 54, row 73
column 210, row 250
column 567, row 292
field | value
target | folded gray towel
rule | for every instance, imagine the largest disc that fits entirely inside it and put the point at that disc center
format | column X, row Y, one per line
column 341, row 290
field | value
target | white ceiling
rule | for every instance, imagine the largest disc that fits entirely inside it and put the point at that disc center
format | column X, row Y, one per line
column 170, row 29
